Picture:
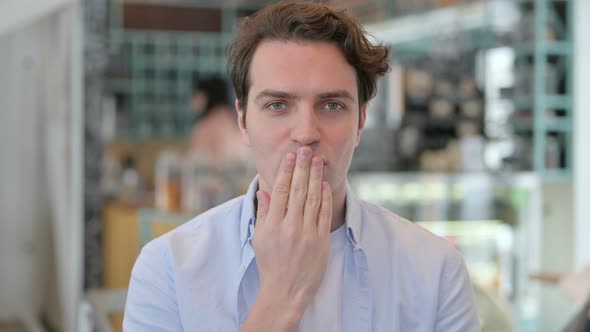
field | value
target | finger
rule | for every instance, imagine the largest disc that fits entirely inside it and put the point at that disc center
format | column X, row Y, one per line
column 325, row 215
column 314, row 194
column 299, row 183
column 282, row 188
column 263, row 205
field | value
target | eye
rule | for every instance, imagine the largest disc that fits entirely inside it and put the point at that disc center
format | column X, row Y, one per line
column 333, row 106
column 277, row 106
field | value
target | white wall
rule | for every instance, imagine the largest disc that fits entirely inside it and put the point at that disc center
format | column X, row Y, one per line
column 41, row 88
column 556, row 253
column 581, row 231
column 25, row 216
column 16, row 14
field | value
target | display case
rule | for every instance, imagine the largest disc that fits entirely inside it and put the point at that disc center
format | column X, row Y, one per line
column 493, row 220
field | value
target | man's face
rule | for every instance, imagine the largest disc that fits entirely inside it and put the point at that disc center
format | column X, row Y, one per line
column 302, row 93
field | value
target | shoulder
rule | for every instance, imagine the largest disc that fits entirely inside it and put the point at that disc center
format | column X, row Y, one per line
column 178, row 262
column 223, row 215
column 422, row 263
column 377, row 218
column 393, row 237
column 208, row 232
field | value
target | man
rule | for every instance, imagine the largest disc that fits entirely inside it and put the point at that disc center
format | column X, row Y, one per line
column 299, row 252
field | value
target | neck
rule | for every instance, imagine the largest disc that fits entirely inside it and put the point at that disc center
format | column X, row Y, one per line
column 338, row 207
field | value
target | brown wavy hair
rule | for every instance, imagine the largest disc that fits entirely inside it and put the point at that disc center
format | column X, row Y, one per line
column 305, row 21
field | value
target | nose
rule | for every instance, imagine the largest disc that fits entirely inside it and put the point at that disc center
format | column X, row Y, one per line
column 305, row 130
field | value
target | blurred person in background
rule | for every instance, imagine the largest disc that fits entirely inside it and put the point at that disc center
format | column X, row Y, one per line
column 299, row 251
column 216, row 167
column 215, row 135
column 576, row 286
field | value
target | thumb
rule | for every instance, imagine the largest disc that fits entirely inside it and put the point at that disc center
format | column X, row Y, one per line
column 263, row 204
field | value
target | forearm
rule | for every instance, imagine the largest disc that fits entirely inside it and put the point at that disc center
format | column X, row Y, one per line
column 271, row 313
column 548, row 277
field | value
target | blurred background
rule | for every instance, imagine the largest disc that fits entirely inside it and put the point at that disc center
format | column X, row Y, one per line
column 117, row 125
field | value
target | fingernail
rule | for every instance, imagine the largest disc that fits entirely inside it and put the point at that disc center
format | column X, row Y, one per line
column 316, row 162
column 304, row 152
column 290, row 158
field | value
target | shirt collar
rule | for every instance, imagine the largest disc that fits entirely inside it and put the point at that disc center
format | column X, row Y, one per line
column 248, row 216
column 352, row 217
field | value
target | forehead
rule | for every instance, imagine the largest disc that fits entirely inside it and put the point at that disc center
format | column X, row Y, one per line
column 302, row 68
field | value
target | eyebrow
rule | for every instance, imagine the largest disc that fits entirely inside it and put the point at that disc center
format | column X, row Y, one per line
column 274, row 94
column 336, row 94
column 285, row 95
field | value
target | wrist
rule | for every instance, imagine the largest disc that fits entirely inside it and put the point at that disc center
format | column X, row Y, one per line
column 274, row 312
column 289, row 309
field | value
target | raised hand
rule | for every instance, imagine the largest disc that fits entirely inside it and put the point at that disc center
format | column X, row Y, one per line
column 291, row 242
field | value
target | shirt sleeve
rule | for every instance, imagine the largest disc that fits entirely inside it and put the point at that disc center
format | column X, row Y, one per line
column 457, row 311
column 151, row 299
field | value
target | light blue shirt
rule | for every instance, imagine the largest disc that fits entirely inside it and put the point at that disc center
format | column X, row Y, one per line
column 397, row 276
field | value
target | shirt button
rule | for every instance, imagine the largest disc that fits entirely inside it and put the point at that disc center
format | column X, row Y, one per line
column 242, row 269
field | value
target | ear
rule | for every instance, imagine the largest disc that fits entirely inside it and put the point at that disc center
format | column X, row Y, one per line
column 242, row 124
column 363, row 117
